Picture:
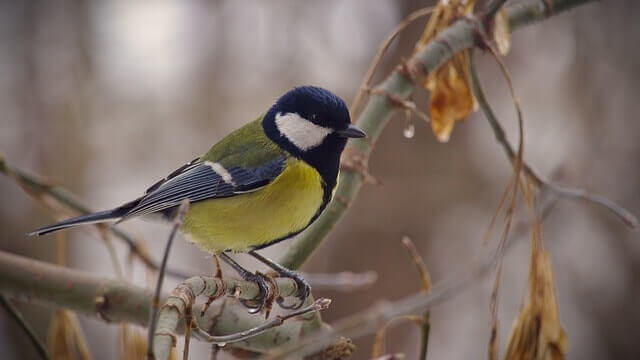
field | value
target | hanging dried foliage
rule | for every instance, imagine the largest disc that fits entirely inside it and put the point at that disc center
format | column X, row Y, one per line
column 450, row 86
column 537, row 333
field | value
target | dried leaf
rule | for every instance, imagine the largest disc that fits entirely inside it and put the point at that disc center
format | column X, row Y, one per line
column 502, row 32
column 537, row 333
column 450, row 85
column 133, row 341
column 65, row 340
column 451, row 95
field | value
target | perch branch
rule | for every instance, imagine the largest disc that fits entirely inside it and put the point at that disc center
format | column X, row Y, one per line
column 375, row 115
column 34, row 281
column 184, row 295
column 278, row 320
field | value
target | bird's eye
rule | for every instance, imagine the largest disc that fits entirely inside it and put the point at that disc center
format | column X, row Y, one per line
column 314, row 116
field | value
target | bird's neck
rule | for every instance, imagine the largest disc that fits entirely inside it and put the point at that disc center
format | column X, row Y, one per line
column 325, row 158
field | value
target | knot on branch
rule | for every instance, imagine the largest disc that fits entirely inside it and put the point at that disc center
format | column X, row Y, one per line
column 398, row 101
column 101, row 304
column 183, row 293
column 408, row 70
column 357, row 162
column 220, row 287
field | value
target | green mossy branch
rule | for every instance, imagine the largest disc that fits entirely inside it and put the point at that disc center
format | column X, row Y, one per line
column 34, row 281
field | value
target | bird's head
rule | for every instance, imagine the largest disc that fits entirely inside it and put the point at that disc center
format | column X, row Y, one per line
column 312, row 124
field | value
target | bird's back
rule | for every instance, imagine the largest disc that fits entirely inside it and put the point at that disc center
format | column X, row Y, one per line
column 247, row 146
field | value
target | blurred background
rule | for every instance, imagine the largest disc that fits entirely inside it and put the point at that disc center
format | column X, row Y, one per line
column 105, row 98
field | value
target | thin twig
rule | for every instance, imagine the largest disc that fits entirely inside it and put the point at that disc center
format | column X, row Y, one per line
column 426, row 286
column 378, row 344
column 343, row 281
column 318, row 305
column 515, row 182
column 19, row 319
column 382, row 49
column 155, row 302
column 561, row 191
column 35, row 185
column 184, row 295
column 405, row 104
column 424, row 339
column 581, row 194
column 419, row 262
column 115, row 262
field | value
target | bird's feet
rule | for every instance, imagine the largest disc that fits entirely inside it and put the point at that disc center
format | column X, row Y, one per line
column 304, row 289
column 265, row 296
column 303, row 286
column 264, row 300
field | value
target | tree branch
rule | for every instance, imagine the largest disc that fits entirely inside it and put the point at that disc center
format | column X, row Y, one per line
column 183, row 297
column 36, row 186
column 366, row 321
column 374, row 117
column 33, row 281
column 320, row 304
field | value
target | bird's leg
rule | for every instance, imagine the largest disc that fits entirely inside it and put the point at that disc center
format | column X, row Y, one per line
column 218, row 275
column 303, row 286
column 257, row 278
column 218, row 267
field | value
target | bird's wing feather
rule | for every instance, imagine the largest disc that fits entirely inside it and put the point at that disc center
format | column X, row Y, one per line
column 202, row 180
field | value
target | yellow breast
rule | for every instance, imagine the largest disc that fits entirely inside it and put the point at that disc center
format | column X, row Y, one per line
column 244, row 221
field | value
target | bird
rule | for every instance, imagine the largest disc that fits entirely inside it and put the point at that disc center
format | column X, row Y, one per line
column 263, row 183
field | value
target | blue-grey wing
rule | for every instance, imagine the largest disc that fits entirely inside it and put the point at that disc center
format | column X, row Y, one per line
column 199, row 181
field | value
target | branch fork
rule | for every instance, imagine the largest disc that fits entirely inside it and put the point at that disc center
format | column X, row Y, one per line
column 357, row 162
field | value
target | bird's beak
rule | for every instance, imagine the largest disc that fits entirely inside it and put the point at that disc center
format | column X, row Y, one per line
column 352, row 131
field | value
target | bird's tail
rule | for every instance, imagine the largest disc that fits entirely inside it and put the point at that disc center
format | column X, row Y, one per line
column 98, row 217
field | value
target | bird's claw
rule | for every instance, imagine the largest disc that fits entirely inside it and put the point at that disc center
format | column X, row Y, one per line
column 304, row 290
column 256, row 305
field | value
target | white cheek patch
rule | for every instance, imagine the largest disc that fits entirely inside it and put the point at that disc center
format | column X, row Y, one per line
column 301, row 132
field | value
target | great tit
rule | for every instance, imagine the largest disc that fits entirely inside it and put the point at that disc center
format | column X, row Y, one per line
column 263, row 183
